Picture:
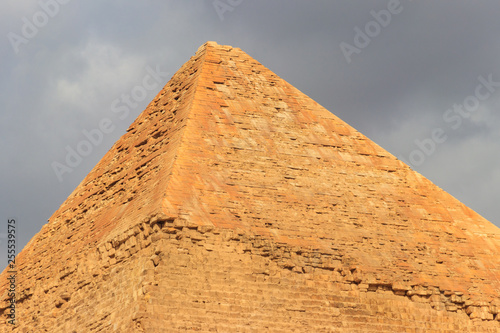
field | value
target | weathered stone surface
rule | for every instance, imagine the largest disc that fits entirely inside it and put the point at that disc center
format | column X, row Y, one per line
column 235, row 203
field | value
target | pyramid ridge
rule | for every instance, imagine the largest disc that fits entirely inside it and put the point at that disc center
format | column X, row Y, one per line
column 234, row 199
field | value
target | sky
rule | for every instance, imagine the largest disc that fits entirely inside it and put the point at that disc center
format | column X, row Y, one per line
column 420, row 78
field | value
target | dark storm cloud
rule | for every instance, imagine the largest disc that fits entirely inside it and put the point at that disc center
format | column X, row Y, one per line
column 395, row 90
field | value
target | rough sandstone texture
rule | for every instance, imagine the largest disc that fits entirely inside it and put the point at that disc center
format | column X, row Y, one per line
column 235, row 203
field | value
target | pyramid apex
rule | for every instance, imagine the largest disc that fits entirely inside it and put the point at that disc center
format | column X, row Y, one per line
column 206, row 45
column 212, row 44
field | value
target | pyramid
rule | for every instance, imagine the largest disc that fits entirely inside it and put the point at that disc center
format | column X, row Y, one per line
column 235, row 203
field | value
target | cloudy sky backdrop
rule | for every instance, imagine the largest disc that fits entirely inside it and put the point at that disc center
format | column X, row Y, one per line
column 396, row 71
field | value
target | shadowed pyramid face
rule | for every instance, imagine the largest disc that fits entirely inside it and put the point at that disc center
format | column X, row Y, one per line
column 234, row 200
